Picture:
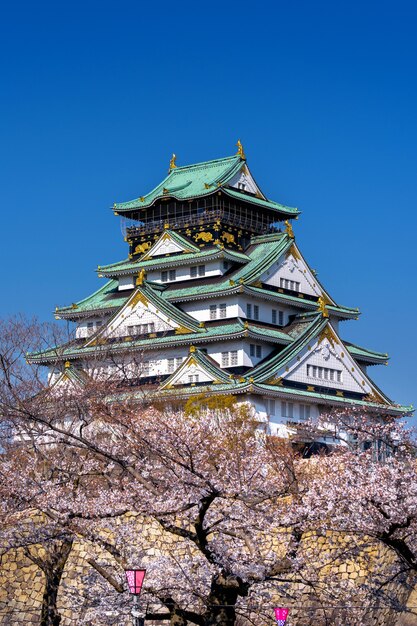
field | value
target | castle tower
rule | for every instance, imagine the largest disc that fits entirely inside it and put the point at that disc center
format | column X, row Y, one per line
column 215, row 297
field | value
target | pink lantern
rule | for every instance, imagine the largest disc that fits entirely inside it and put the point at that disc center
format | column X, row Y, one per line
column 135, row 578
column 281, row 615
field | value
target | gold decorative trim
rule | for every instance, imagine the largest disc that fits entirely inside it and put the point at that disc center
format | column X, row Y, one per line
column 289, row 229
column 182, row 330
column 322, row 306
column 327, row 333
column 294, row 253
column 275, row 381
column 227, row 237
column 139, row 297
column 142, row 247
column 204, row 236
column 172, row 164
column 240, row 151
column 140, row 277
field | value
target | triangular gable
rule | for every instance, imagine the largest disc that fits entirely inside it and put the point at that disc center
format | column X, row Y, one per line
column 244, row 181
column 197, row 368
column 292, row 272
column 324, row 361
column 168, row 243
column 70, row 376
column 147, row 310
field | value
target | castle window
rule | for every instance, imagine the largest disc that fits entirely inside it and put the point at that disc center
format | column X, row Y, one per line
column 229, row 359
column 292, row 285
column 146, row 368
column 270, row 406
column 241, row 186
column 304, row 411
column 255, row 312
column 170, row 276
column 255, row 350
column 249, row 310
column 193, row 378
column 324, row 373
column 197, row 270
column 287, row 409
column 278, row 317
column 222, row 310
column 171, row 365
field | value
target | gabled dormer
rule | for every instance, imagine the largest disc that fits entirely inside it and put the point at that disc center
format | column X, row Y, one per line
column 197, row 369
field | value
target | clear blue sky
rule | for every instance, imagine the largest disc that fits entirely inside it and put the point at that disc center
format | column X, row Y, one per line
column 97, row 95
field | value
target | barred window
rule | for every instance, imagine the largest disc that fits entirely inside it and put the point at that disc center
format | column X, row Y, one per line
column 324, row 373
column 292, row 285
column 287, row 409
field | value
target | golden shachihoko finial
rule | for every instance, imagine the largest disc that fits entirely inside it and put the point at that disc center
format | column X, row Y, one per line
column 240, row 150
column 322, row 306
column 140, row 277
column 289, row 229
column 172, row 164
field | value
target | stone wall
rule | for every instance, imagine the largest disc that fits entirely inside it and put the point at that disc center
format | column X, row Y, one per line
column 84, row 594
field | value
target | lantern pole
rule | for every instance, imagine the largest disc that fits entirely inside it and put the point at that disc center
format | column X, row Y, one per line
column 138, row 617
column 135, row 580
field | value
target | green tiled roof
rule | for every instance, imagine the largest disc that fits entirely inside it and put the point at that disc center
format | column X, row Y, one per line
column 331, row 399
column 232, row 329
column 261, row 256
column 267, row 204
column 366, row 355
column 202, row 179
column 203, row 255
column 107, row 297
column 187, row 182
column 205, row 362
column 237, row 387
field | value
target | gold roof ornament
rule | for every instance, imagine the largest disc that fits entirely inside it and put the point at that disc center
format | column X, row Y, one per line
column 140, row 277
column 322, row 306
column 67, row 365
column 288, row 229
column 172, row 164
column 240, row 150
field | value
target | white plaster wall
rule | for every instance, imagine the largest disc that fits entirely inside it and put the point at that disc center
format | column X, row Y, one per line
column 213, row 268
column 140, row 315
column 277, row 419
column 292, row 269
column 325, row 355
column 244, row 177
column 82, row 332
column 126, row 282
column 200, row 310
column 265, row 309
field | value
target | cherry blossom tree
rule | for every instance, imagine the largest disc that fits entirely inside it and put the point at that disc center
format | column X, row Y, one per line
column 238, row 515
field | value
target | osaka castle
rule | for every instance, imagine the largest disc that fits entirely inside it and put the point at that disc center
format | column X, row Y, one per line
column 215, row 297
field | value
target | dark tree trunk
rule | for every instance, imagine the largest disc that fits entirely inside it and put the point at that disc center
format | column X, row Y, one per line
column 177, row 619
column 225, row 590
column 52, row 565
